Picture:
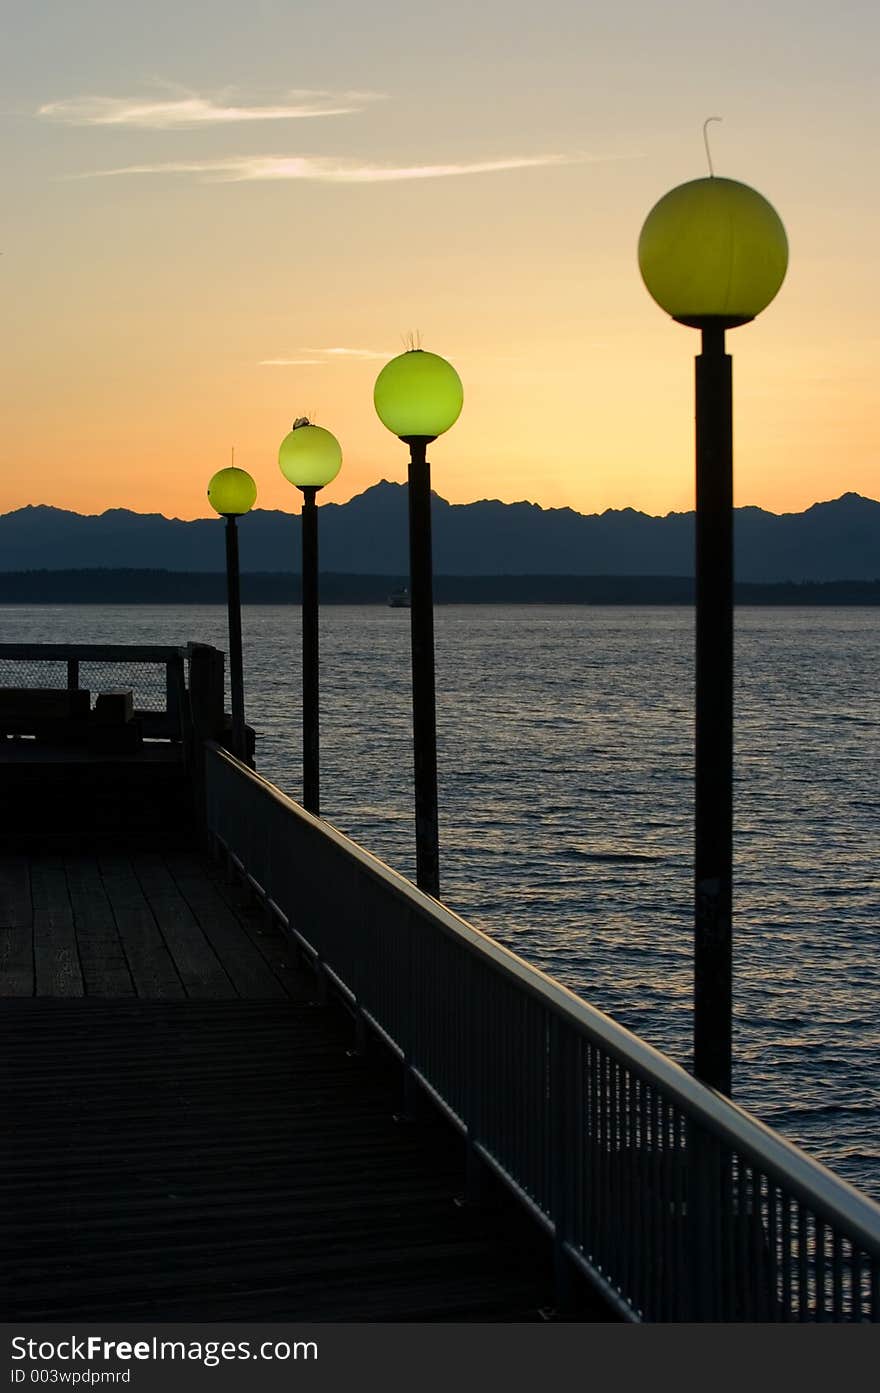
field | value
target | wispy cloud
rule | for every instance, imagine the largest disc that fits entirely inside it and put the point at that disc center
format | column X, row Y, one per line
column 350, row 352
column 190, row 111
column 250, row 168
column 328, row 355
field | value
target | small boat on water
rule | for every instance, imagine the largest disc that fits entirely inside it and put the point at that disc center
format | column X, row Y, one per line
column 399, row 599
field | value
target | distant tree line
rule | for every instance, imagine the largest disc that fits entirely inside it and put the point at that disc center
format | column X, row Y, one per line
column 122, row 587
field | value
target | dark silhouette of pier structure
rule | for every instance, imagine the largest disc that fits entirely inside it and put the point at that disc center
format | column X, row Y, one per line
column 249, row 1072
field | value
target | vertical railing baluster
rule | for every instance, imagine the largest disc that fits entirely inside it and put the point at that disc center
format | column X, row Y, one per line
column 703, row 1222
column 837, row 1276
column 671, row 1295
column 803, row 1266
column 561, row 1076
column 855, row 1274
column 683, row 1205
column 536, row 1153
column 640, row 1198
column 742, row 1241
column 604, row 1196
column 542, row 1162
column 658, row 1223
column 821, row 1291
column 614, row 1172
column 727, row 1255
column 634, row 1238
column 621, row 1167
column 472, row 1103
column 787, row 1259
column 643, row 1198
column 580, row 1135
column 760, row 1298
column 491, row 991
column 533, row 1149
column 593, row 1239
column 533, row 1104
column 775, row 1313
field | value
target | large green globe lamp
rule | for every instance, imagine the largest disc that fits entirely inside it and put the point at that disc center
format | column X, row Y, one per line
column 310, row 457
column 232, row 493
column 713, row 250
column 713, row 253
column 418, row 396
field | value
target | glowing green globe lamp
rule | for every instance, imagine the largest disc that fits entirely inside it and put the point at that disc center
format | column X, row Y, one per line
column 232, row 492
column 418, row 395
column 713, row 250
column 309, row 456
column 713, row 254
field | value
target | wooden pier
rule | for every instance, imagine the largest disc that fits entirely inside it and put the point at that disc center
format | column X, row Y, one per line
column 190, row 1131
column 249, row 1072
column 190, row 1136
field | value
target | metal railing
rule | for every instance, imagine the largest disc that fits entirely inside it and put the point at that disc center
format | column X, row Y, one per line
column 675, row 1202
column 155, row 674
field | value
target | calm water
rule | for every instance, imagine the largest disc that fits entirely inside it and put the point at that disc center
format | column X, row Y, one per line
column 565, row 756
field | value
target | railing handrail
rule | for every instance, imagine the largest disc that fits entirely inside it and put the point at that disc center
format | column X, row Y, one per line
column 827, row 1193
column 95, row 652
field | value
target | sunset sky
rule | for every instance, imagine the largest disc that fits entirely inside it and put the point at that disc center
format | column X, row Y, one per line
column 219, row 219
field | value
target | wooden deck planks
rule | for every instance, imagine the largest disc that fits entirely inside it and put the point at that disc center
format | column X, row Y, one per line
column 198, row 966
column 16, row 928
column 262, row 929
column 16, row 907
column 214, row 1159
column 229, row 1160
column 248, row 969
column 102, row 956
column 56, row 959
column 150, row 963
column 153, row 925
column 17, row 962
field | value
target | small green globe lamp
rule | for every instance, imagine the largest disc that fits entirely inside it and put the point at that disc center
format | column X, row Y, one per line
column 713, row 253
column 418, row 396
column 310, row 457
column 232, row 493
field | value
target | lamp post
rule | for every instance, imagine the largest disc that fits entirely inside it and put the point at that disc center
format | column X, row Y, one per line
column 713, row 253
column 418, row 396
column 310, row 457
column 232, row 493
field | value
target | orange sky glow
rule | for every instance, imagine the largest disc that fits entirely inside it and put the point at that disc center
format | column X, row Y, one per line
column 192, row 260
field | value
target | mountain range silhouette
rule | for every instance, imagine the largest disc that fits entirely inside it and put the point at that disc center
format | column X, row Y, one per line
column 835, row 540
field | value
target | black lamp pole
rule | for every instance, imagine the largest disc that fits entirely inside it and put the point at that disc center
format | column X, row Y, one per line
column 424, row 700
column 713, row 861
column 713, row 253
column 311, row 738
column 233, row 605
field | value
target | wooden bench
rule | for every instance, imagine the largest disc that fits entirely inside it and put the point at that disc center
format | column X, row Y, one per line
column 115, row 730
column 56, row 714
